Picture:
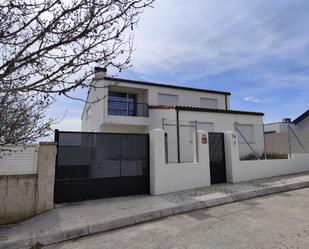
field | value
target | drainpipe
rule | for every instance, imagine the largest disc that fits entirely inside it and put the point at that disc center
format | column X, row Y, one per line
column 289, row 141
column 265, row 151
column 177, row 127
column 226, row 102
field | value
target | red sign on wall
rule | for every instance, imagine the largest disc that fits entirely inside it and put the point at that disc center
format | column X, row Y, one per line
column 204, row 139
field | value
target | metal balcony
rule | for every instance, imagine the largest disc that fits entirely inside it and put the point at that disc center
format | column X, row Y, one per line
column 125, row 108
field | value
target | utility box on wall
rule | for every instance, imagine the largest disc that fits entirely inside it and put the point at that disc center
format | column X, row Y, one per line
column 27, row 189
column 18, row 159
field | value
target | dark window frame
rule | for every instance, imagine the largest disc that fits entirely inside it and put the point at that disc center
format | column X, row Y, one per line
column 125, row 104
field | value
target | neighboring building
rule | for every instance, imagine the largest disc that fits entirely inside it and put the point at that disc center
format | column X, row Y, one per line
column 129, row 106
column 280, row 139
column 301, row 123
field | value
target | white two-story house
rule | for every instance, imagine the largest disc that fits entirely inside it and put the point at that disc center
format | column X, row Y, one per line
column 117, row 105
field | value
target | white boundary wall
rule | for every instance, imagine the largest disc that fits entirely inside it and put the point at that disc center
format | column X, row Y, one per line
column 238, row 171
column 19, row 160
column 172, row 177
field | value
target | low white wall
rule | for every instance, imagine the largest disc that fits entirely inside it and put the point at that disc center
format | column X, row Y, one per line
column 238, row 171
column 18, row 160
column 172, row 177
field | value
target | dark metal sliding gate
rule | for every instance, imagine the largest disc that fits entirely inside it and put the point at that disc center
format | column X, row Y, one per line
column 98, row 165
column 217, row 157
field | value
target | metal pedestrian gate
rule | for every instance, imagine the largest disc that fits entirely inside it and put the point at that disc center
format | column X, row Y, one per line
column 217, row 157
column 98, row 165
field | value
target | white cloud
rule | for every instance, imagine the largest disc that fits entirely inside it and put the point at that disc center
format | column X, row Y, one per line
column 68, row 124
column 254, row 99
column 66, row 113
column 264, row 43
column 220, row 35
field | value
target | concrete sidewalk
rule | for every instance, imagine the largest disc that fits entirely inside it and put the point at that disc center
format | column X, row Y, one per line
column 81, row 219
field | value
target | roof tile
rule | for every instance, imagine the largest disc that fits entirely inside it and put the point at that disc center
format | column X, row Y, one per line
column 166, row 85
column 199, row 109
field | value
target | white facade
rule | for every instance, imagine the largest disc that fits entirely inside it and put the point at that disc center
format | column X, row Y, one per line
column 96, row 118
column 210, row 122
column 154, row 102
column 278, row 127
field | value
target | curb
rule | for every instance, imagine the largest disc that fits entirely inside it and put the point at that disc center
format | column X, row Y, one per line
column 201, row 203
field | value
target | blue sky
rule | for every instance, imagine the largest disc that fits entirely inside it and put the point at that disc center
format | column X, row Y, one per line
column 256, row 49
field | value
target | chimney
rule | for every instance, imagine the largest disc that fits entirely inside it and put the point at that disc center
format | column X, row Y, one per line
column 286, row 120
column 99, row 73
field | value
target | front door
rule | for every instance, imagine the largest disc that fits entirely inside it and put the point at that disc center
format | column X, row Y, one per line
column 217, row 157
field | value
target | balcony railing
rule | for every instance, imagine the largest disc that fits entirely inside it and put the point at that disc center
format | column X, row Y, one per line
column 124, row 108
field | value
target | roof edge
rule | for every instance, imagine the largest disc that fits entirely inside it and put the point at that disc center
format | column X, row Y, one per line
column 200, row 109
column 301, row 117
column 165, row 85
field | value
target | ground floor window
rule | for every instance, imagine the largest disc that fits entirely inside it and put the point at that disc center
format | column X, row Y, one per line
column 245, row 133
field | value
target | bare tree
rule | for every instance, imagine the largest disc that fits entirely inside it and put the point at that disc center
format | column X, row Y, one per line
column 51, row 46
column 22, row 118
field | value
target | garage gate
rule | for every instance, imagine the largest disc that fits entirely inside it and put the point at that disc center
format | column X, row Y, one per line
column 99, row 165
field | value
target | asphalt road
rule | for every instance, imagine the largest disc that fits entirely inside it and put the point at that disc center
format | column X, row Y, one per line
column 277, row 221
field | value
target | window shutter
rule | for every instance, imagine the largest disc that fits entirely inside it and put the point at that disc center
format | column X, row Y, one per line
column 209, row 103
column 167, row 99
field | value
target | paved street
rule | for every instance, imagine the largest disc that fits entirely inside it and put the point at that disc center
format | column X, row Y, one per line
column 71, row 221
column 276, row 221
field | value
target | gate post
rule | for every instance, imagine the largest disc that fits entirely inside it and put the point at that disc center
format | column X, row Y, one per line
column 47, row 155
column 202, row 152
column 157, row 157
column 56, row 140
column 56, row 136
column 231, row 154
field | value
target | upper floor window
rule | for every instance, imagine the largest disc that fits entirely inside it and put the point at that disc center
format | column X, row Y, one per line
column 167, row 99
column 125, row 104
column 209, row 103
column 121, row 103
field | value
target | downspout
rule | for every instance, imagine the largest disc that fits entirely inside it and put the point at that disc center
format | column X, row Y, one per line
column 289, row 141
column 226, row 102
column 265, row 151
column 177, row 127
